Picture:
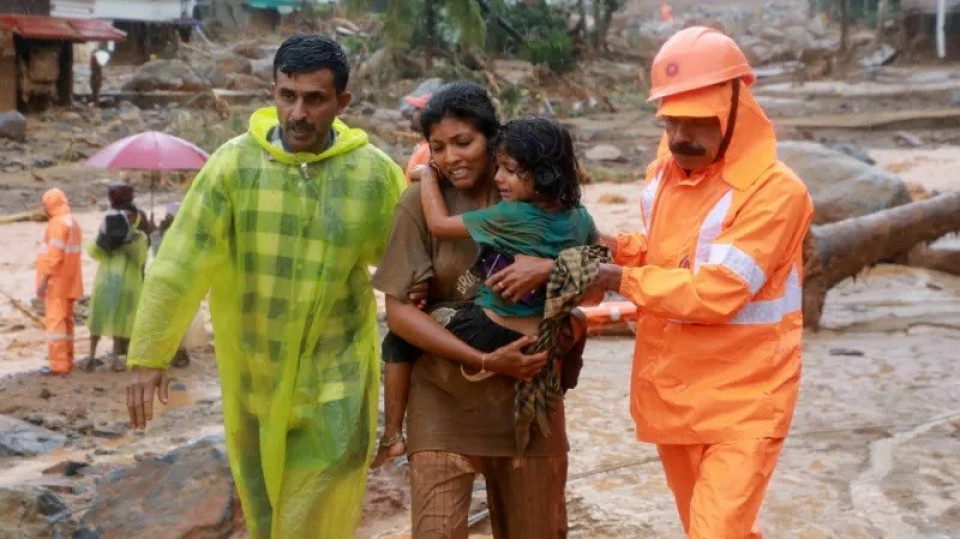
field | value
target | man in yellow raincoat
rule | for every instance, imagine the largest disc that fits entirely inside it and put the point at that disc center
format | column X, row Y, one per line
column 715, row 273
column 281, row 226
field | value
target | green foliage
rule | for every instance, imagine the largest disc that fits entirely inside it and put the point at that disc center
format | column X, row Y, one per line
column 404, row 22
column 554, row 50
column 512, row 98
column 452, row 71
column 543, row 29
column 533, row 22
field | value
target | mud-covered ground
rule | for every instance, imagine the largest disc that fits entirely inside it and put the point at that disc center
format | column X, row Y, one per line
column 875, row 450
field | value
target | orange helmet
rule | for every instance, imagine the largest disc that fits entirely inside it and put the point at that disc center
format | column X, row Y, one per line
column 697, row 57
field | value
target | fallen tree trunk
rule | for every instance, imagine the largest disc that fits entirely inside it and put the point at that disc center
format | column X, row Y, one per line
column 836, row 251
column 35, row 215
column 945, row 260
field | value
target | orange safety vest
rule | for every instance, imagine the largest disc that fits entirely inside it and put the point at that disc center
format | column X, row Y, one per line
column 716, row 275
column 59, row 254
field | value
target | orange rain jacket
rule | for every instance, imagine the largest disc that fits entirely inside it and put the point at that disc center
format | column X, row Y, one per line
column 59, row 254
column 715, row 273
column 420, row 156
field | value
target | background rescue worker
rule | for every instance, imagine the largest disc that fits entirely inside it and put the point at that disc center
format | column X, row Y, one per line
column 59, row 280
column 281, row 226
column 421, row 153
column 715, row 273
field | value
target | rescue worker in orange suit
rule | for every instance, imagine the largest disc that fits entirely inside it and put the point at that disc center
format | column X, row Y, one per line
column 421, row 153
column 59, row 280
column 715, row 273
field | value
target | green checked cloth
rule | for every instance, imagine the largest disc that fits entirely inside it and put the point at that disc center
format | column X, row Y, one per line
column 283, row 242
column 575, row 269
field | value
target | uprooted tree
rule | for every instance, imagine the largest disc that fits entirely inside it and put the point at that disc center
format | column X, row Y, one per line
column 836, row 251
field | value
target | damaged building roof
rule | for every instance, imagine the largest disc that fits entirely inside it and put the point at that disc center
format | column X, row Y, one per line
column 58, row 29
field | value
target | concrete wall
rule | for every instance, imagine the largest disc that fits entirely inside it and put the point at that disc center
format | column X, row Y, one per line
column 927, row 6
column 25, row 7
column 138, row 10
column 72, row 9
column 144, row 10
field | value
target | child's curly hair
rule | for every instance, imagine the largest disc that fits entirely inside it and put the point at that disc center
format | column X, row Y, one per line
column 544, row 152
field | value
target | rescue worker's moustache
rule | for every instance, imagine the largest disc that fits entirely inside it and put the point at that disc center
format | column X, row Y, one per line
column 301, row 125
column 687, row 148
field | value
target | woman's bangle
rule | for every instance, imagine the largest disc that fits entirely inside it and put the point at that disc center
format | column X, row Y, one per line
column 480, row 376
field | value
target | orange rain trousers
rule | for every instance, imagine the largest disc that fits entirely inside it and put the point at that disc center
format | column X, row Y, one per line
column 58, row 320
column 719, row 488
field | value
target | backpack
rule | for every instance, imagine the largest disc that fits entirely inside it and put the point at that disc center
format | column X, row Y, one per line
column 115, row 231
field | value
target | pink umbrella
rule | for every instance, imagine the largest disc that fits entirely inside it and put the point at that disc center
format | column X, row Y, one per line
column 151, row 150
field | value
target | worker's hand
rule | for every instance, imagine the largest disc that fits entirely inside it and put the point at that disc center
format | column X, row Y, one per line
column 608, row 279
column 527, row 273
column 417, row 295
column 509, row 360
column 610, row 242
column 145, row 383
column 42, row 288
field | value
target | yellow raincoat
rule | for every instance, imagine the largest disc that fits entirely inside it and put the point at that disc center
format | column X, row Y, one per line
column 283, row 242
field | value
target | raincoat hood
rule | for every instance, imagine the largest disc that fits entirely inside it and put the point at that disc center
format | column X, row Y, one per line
column 753, row 146
column 265, row 119
column 55, row 202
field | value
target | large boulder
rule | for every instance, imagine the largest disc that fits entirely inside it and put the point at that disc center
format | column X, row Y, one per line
column 262, row 69
column 604, row 152
column 220, row 68
column 22, row 439
column 428, row 86
column 188, row 492
column 841, row 186
column 30, row 511
column 13, row 125
column 166, row 75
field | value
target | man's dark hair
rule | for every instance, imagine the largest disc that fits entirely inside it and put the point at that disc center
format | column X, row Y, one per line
column 543, row 150
column 306, row 53
column 462, row 100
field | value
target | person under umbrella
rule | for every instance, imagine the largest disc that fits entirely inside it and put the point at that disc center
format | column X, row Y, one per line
column 121, row 251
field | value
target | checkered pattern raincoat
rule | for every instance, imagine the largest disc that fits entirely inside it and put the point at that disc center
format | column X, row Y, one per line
column 283, row 243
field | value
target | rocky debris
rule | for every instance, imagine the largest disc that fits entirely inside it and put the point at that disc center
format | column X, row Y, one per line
column 262, row 69
column 240, row 81
column 31, row 511
column 217, row 71
column 852, row 150
column 604, row 152
column 13, row 125
column 779, row 32
column 252, row 50
column 841, row 186
column 68, row 468
column 908, row 140
column 166, row 75
column 21, row 439
column 189, row 493
column 386, row 116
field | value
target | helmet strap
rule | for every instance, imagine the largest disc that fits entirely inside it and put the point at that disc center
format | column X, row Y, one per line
column 731, row 122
